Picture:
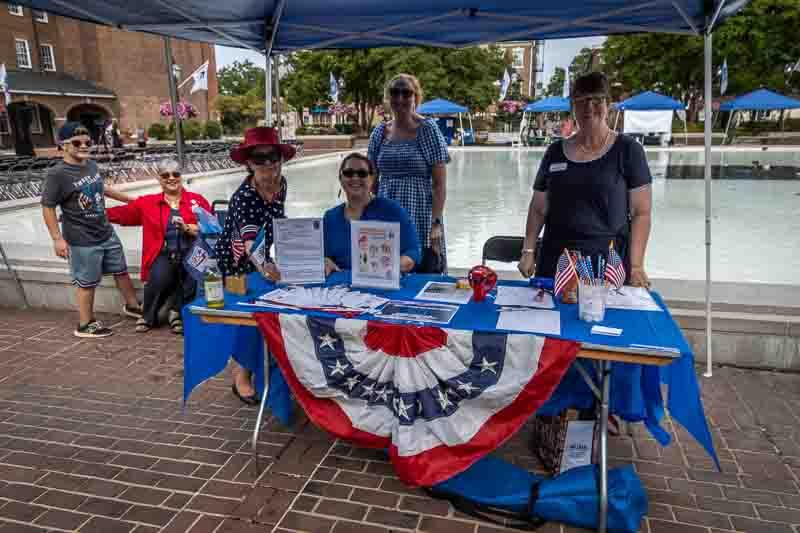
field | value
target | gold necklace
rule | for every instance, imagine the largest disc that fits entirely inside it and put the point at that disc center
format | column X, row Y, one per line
column 173, row 203
column 591, row 150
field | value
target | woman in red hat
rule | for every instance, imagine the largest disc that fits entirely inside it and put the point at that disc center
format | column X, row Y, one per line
column 257, row 201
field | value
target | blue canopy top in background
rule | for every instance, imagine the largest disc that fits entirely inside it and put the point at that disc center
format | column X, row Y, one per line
column 551, row 103
column 649, row 101
column 283, row 26
column 760, row 100
column 441, row 107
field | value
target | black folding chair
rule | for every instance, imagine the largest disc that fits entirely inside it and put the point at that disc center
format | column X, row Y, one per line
column 502, row 248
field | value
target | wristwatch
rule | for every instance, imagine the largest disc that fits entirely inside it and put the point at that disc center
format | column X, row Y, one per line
column 437, row 221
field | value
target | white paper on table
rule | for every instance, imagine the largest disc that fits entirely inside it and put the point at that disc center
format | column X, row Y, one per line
column 314, row 297
column 444, row 291
column 523, row 296
column 299, row 249
column 419, row 312
column 631, row 298
column 531, row 321
column 375, row 254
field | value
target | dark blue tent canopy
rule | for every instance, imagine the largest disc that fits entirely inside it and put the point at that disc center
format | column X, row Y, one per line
column 649, row 101
column 282, row 26
column 760, row 100
column 551, row 103
column 440, row 107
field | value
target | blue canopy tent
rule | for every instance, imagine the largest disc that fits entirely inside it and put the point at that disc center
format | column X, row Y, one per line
column 651, row 101
column 276, row 27
column 440, row 107
column 759, row 100
column 550, row 104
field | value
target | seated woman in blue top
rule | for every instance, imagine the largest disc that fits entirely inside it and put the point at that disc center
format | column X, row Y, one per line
column 357, row 176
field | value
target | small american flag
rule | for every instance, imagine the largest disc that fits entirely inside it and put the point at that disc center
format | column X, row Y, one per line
column 565, row 272
column 615, row 270
column 237, row 245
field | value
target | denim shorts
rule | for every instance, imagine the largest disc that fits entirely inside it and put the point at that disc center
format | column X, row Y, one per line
column 88, row 264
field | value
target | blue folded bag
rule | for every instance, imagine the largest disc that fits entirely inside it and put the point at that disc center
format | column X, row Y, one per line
column 501, row 493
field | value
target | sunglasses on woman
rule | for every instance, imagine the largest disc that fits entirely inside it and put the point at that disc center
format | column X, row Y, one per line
column 353, row 173
column 78, row 143
column 263, row 159
column 167, row 175
column 405, row 93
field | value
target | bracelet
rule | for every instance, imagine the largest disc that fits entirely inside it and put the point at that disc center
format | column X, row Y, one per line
column 528, row 251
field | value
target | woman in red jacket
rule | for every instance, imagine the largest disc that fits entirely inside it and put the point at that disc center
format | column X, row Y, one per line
column 169, row 227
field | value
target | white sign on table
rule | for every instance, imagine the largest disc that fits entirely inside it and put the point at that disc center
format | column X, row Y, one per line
column 299, row 249
column 375, row 249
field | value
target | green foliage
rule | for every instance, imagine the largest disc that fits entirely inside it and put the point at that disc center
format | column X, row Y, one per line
column 758, row 43
column 157, row 131
column 240, row 78
column 238, row 113
column 344, row 129
column 556, row 85
column 213, row 130
column 465, row 76
column 192, row 130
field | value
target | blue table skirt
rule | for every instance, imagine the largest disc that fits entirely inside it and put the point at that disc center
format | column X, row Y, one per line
column 635, row 389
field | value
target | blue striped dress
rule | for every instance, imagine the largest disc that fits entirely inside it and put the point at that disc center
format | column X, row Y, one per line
column 405, row 172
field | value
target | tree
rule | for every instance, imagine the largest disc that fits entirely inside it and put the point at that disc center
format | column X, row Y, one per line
column 555, row 86
column 240, row 78
column 758, row 43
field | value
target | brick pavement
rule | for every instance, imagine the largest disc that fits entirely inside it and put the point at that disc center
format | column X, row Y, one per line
column 93, row 438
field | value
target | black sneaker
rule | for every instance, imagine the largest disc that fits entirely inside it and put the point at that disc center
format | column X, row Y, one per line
column 133, row 312
column 93, row 330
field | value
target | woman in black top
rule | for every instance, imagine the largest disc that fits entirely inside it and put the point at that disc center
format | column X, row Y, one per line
column 591, row 189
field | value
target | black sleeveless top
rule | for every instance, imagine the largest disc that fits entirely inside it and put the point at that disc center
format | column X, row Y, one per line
column 587, row 202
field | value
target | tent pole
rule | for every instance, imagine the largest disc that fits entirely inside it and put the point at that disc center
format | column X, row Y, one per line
column 173, row 100
column 469, row 116
column 278, row 109
column 461, row 123
column 685, row 129
column 727, row 126
column 268, row 89
column 616, row 119
column 707, row 48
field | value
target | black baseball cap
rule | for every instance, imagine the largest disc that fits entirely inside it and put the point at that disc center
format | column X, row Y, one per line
column 71, row 129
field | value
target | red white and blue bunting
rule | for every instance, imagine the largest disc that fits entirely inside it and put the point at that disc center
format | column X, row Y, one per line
column 437, row 399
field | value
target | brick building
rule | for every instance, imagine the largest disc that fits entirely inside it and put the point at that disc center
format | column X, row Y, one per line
column 526, row 61
column 62, row 69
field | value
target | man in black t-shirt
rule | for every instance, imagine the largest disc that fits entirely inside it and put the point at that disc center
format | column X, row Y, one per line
column 86, row 238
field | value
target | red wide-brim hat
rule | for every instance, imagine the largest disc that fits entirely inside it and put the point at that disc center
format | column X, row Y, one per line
column 260, row 136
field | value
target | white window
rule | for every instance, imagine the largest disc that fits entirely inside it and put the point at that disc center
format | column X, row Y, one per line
column 16, row 10
column 36, row 120
column 23, row 53
column 40, row 16
column 5, row 126
column 48, row 57
column 518, row 58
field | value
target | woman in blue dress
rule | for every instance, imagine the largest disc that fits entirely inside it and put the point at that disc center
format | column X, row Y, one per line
column 410, row 154
column 357, row 177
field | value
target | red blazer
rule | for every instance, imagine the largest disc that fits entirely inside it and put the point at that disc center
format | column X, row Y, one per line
column 152, row 213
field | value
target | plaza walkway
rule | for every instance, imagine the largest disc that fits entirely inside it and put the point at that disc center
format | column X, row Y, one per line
column 93, row 438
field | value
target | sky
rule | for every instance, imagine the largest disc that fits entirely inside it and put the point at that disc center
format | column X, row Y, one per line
column 557, row 53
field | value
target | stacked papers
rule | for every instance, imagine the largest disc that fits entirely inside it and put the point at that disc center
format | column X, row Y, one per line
column 531, row 320
column 331, row 298
column 632, row 298
column 524, row 297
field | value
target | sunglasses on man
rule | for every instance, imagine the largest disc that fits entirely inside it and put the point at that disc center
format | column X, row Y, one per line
column 167, row 175
column 263, row 159
column 405, row 93
column 77, row 143
column 353, row 173
column 594, row 99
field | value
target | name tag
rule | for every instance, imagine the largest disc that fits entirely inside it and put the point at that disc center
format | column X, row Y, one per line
column 558, row 167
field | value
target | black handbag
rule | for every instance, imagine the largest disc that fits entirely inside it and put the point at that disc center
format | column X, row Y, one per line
column 431, row 262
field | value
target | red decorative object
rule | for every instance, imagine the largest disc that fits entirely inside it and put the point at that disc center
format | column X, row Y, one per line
column 482, row 279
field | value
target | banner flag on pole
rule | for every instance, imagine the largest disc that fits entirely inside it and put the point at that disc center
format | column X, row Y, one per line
column 504, row 85
column 334, row 89
column 723, row 83
column 4, row 88
column 199, row 78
